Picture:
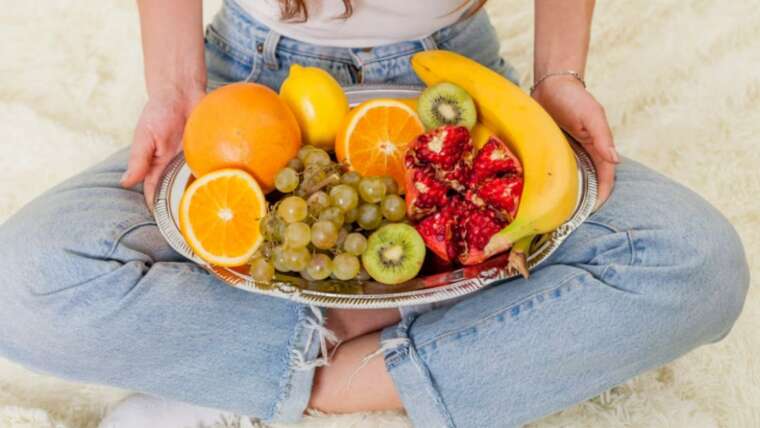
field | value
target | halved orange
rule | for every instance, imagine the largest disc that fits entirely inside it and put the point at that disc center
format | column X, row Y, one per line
column 219, row 216
column 375, row 136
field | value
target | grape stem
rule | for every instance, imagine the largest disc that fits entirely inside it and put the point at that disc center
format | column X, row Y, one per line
column 331, row 179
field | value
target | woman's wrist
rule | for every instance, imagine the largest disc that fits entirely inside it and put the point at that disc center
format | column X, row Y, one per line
column 550, row 85
column 177, row 88
column 173, row 48
column 560, row 73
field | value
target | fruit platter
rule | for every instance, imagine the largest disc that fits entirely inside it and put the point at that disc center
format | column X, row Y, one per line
column 373, row 196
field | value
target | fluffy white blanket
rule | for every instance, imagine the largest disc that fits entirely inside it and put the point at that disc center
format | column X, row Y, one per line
column 680, row 82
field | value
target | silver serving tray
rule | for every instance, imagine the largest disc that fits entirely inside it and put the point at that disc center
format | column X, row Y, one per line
column 366, row 293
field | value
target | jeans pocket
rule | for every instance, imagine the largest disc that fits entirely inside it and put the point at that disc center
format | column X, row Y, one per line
column 228, row 63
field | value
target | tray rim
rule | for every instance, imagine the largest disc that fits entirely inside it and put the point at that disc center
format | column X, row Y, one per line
column 169, row 229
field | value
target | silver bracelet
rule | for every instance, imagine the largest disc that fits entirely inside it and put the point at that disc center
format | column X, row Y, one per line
column 558, row 73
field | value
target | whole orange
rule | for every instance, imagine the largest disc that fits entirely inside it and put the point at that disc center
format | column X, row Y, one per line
column 242, row 125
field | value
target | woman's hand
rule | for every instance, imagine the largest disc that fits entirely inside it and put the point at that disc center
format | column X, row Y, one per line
column 577, row 112
column 175, row 78
column 158, row 138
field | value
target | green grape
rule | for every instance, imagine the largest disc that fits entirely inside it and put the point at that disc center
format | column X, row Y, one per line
column 317, row 157
column 342, row 234
column 317, row 202
column 351, row 215
column 296, row 164
column 286, row 180
column 355, row 244
column 297, row 235
column 391, row 187
column 262, row 269
column 320, row 267
column 297, row 258
column 273, row 228
column 344, row 197
column 292, row 209
column 369, row 217
column 305, row 150
column 278, row 256
column 372, row 189
column 393, row 207
column 333, row 214
column 324, row 234
column 351, row 178
column 345, row 266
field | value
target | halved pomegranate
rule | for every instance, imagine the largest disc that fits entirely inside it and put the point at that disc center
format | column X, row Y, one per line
column 441, row 233
column 460, row 198
column 424, row 193
column 499, row 193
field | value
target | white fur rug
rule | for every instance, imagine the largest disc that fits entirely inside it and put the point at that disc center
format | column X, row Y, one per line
column 680, row 82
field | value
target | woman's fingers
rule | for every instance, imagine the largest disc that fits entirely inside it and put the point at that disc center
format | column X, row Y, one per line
column 147, row 161
column 577, row 112
column 161, row 159
column 140, row 158
column 158, row 138
column 597, row 139
column 151, row 181
column 605, row 175
column 600, row 134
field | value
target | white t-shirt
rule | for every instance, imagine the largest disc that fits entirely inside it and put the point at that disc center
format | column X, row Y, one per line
column 373, row 22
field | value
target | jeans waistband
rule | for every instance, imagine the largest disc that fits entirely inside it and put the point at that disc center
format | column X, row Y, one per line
column 250, row 31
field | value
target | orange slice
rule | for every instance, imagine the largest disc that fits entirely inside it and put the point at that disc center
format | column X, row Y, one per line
column 375, row 136
column 219, row 216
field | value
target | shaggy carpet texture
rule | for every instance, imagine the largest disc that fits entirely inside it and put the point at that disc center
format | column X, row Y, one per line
column 679, row 80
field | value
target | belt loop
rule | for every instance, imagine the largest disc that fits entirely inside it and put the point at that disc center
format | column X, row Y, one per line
column 269, row 50
column 358, row 62
column 358, row 65
column 429, row 43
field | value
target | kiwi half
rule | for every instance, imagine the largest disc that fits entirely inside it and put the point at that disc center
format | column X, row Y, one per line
column 394, row 254
column 446, row 104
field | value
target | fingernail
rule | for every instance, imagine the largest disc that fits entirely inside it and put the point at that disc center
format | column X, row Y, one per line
column 614, row 155
column 124, row 177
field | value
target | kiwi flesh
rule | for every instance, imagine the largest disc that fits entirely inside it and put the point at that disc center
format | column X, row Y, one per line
column 394, row 254
column 446, row 104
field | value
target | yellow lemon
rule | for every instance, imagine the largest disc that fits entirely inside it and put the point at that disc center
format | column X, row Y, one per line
column 318, row 102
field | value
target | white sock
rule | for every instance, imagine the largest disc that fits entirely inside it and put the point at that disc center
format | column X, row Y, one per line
column 145, row 411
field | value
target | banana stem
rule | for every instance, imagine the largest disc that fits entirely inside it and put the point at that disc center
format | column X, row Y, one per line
column 518, row 256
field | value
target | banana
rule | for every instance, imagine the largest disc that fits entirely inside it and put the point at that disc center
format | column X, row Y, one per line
column 551, row 179
column 480, row 135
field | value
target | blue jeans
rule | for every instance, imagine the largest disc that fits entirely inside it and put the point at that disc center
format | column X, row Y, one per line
column 92, row 292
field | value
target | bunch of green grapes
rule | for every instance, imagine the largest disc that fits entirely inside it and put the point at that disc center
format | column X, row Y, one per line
column 318, row 228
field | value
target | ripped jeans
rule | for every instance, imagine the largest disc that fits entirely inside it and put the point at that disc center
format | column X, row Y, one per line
column 92, row 292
